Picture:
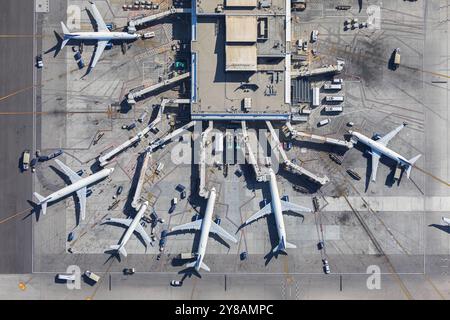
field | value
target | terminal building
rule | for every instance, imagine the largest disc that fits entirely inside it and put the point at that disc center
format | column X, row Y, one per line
column 241, row 60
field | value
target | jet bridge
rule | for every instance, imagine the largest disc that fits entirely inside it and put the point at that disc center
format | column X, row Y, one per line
column 140, row 92
column 296, row 168
column 161, row 141
column 104, row 160
column 203, row 192
column 337, row 68
column 137, row 194
column 260, row 175
column 294, row 134
column 141, row 20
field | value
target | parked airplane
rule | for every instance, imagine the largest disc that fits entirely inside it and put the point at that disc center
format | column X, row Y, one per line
column 79, row 185
column 133, row 226
column 446, row 220
column 206, row 225
column 277, row 206
column 102, row 35
column 379, row 148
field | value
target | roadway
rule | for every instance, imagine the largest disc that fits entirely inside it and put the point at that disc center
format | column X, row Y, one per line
column 16, row 95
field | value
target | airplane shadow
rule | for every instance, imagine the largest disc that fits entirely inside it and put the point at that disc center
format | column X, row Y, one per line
column 57, row 47
column 444, row 228
column 35, row 209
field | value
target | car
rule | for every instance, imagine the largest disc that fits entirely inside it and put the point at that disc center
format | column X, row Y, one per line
column 243, row 255
column 326, row 266
column 131, row 126
column 71, row 236
column 80, row 64
column 183, row 195
column 218, row 221
column 26, row 160
column 119, row 190
column 158, row 257
column 314, row 35
column 162, row 242
column 180, row 188
column 128, row 271
column 148, row 35
column 176, row 283
column 320, row 245
column 39, row 62
column 350, row 124
column 285, row 198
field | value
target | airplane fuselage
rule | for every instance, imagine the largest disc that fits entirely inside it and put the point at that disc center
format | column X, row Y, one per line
column 133, row 225
column 79, row 184
column 100, row 36
column 379, row 148
column 205, row 228
column 276, row 208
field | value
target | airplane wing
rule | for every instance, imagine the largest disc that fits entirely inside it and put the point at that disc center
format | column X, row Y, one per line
column 195, row 225
column 375, row 160
column 289, row 206
column 73, row 176
column 124, row 222
column 215, row 228
column 81, row 194
column 142, row 233
column 98, row 52
column 261, row 213
column 101, row 25
column 388, row 137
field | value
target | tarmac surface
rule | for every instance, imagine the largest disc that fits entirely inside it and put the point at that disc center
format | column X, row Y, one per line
column 16, row 96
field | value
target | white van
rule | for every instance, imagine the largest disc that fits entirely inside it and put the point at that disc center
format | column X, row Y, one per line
column 69, row 277
column 324, row 122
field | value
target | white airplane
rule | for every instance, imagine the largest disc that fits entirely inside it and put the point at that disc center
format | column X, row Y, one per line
column 379, row 148
column 277, row 206
column 446, row 220
column 206, row 225
column 102, row 35
column 79, row 185
column 133, row 226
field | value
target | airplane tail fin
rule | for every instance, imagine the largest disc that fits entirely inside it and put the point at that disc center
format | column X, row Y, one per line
column 411, row 163
column 120, row 249
column 64, row 28
column 282, row 246
column 65, row 31
column 42, row 202
column 446, row 220
column 198, row 264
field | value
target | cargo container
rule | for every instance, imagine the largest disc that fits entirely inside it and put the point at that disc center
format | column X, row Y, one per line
column 332, row 86
column 316, row 97
column 334, row 109
column 334, row 98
